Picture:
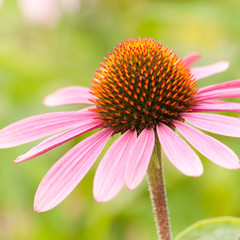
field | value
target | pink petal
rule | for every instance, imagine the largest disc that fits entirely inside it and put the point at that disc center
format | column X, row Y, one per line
column 209, row 70
column 139, row 158
column 59, row 139
column 109, row 178
column 191, row 59
column 67, row 172
column 32, row 128
column 221, row 93
column 208, row 146
column 219, row 106
column 219, row 86
column 179, row 152
column 69, row 95
column 224, row 125
column 211, row 101
column 40, row 12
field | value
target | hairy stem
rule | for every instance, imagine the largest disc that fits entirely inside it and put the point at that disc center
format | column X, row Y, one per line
column 158, row 193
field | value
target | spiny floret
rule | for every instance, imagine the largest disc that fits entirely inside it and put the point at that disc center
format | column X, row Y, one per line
column 141, row 85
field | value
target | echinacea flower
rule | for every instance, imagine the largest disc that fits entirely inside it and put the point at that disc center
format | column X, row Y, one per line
column 46, row 12
column 143, row 92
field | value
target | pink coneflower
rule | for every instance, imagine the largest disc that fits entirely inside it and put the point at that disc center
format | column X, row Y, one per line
column 143, row 92
column 46, row 12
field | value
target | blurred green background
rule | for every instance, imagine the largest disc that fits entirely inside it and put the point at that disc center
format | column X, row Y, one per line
column 34, row 61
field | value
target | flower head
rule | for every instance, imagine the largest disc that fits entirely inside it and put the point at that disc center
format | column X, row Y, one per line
column 142, row 91
column 141, row 85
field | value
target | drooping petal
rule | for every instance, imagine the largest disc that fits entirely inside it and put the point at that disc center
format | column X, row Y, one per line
column 33, row 128
column 219, row 106
column 68, row 95
column 109, row 177
column 219, row 86
column 139, row 158
column 40, row 12
column 215, row 123
column 211, row 101
column 190, row 59
column 209, row 70
column 59, row 139
column 179, row 152
column 221, row 93
column 214, row 150
column 67, row 172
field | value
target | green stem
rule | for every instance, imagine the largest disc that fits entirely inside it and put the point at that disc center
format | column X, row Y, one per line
column 158, row 193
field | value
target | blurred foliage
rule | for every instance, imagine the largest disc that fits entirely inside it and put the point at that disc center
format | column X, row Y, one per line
column 35, row 61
